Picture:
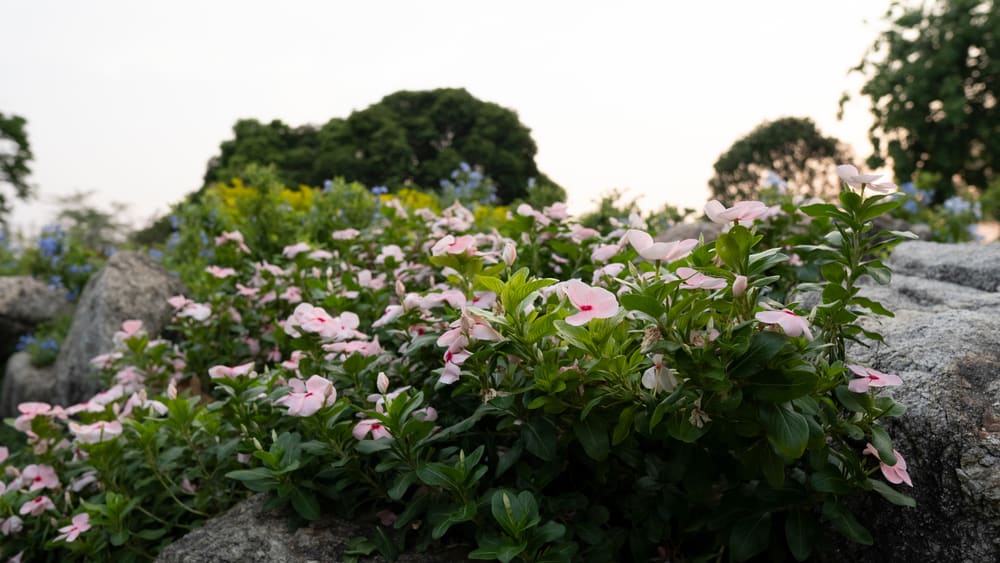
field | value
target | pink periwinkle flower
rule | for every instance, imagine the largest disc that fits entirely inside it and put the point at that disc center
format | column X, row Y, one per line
column 219, row 272
column 792, row 324
column 868, row 377
column 234, row 236
column 605, row 252
column 4, row 453
column 79, row 525
column 643, row 243
column 40, row 477
column 345, row 234
column 197, row 311
column 129, row 329
column 30, row 410
column 659, row 378
column 894, row 474
column 693, row 279
column 219, row 372
column 592, row 302
column 743, row 212
column 465, row 244
column 100, row 431
column 294, row 250
column 308, row 396
column 372, row 426
column 11, row 525
column 37, row 506
column 853, row 178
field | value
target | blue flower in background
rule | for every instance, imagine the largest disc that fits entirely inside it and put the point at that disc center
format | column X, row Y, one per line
column 55, row 281
column 174, row 222
column 24, row 341
column 910, row 206
column 49, row 344
column 957, row 206
column 327, row 185
column 909, row 188
column 156, row 254
column 380, row 190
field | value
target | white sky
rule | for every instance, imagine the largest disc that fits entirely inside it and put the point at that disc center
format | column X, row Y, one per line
column 131, row 99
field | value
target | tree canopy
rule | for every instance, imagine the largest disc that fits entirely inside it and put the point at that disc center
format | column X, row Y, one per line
column 407, row 138
column 790, row 147
column 15, row 156
column 934, row 82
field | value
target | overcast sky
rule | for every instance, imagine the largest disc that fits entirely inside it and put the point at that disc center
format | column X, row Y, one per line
column 131, row 99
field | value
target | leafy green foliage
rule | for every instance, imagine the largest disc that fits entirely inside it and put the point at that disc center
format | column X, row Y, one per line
column 15, row 159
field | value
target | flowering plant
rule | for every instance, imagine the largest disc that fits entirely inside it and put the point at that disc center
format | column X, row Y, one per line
column 540, row 392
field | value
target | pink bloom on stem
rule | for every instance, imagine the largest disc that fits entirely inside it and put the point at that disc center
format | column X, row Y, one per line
column 659, row 377
column 129, row 329
column 179, row 302
column 309, row 396
column 593, row 302
column 196, row 311
column 693, row 279
column 894, row 474
column 4, row 453
column 662, row 251
column 373, row 426
column 451, row 245
column 11, row 525
column 36, row 506
column 792, row 324
column 292, row 294
column 217, row 372
column 743, row 212
column 220, row 273
column 850, row 175
column 234, row 236
column 605, row 252
column 100, row 431
column 40, row 477
column 345, row 234
column 739, row 286
column 29, row 411
column 292, row 363
column 868, row 377
column 294, row 250
column 79, row 525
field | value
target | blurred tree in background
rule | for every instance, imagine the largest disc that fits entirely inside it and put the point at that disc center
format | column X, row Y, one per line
column 15, row 154
column 934, row 82
column 792, row 148
column 406, row 139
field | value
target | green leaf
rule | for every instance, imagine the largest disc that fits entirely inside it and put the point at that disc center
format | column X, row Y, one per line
column 800, row 533
column 540, row 438
column 447, row 516
column 492, row 546
column 880, row 274
column 750, row 535
column 593, row 436
column 845, row 522
column 371, row 446
column 437, row 475
column 787, row 430
column 643, row 303
column 624, row 426
column 577, row 336
column 883, row 443
column 305, row 503
column 891, row 495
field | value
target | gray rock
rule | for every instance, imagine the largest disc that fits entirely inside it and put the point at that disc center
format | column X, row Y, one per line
column 129, row 286
column 24, row 303
column 968, row 264
column 249, row 534
column 944, row 342
column 682, row 231
column 25, row 382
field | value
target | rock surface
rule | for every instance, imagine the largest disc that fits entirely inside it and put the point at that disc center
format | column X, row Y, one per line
column 24, row 303
column 24, row 382
column 129, row 286
column 944, row 342
column 248, row 534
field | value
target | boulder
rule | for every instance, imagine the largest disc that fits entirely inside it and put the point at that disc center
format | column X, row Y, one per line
column 24, row 303
column 682, row 231
column 250, row 534
column 25, row 382
column 944, row 342
column 129, row 286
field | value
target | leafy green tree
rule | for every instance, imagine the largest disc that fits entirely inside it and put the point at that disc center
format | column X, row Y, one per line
column 934, row 82
column 790, row 147
column 409, row 138
column 15, row 155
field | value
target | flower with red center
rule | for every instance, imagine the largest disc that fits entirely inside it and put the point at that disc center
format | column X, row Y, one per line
column 792, row 324
column 40, row 477
column 373, row 426
column 309, row 396
column 592, row 302
column 79, row 525
column 868, row 377
column 465, row 244
column 36, row 506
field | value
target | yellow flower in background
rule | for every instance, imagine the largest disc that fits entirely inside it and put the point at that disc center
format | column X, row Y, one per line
column 300, row 200
column 414, row 199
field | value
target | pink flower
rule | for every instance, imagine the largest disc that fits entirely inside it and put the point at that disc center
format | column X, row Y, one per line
column 292, row 363
column 392, row 312
column 593, row 302
column 345, row 234
column 40, row 477
column 100, row 431
column 662, row 251
column 694, row 279
column 36, row 506
column 659, row 377
column 743, row 212
column 850, row 175
column 196, row 311
column 220, row 273
column 4, row 454
column 894, row 474
column 465, row 244
column 308, row 397
column 868, row 377
column 792, row 324
column 739, row 286
column 30, row 410
column 179, row 302
column 294, row 250
column 218, row 372
column 390, row 250
column 11, row 525
column 292, row 294
column 79, row 525
column 129, row 329
column 320, row 255
column 373, row 426
column 234, row 236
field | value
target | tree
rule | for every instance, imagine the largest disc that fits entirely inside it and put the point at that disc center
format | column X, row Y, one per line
column 790, row 147
column 934, row 84
column 15, row 154
column 406, row 139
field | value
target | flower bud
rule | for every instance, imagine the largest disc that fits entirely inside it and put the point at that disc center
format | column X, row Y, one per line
column 739, row 286
column 509, row 254
column 383, row 383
